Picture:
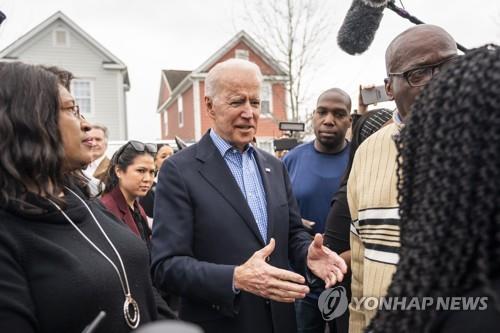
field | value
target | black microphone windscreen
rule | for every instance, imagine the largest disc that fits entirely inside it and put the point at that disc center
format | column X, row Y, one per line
column 358, row 29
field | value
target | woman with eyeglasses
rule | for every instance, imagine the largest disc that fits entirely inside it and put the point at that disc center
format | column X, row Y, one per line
column 63, row 258
column 130, row 176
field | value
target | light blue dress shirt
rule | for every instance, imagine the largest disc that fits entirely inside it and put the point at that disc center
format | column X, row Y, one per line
column 246, row 173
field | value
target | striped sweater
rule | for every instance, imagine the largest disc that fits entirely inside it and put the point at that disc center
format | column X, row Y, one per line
column 372, row 197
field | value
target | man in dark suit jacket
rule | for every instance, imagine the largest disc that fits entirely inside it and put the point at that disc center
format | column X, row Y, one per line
column 97, row 169
column 218, row 203
column 100, row 162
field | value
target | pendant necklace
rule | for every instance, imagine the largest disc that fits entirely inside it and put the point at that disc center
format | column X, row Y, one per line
column 130, row 307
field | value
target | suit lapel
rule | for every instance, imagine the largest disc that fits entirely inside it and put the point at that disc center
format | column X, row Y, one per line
column 265, row 173
column 215, row 171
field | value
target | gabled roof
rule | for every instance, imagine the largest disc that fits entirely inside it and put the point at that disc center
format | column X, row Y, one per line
column 240, row 36
column 245, row 37
column 174, row 77
column 111, row 62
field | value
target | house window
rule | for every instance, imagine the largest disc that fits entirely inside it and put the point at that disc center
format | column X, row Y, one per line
column 83, row 91
column 266, row 145
column 266, row 98
column 60, row 38
column 165, row 123
column 180, row 111
column 241, row 54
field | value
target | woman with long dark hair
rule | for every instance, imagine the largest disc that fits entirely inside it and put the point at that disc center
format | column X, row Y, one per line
column 449, row 195
column 63, row 259
column 130, row 176
column 147, row 202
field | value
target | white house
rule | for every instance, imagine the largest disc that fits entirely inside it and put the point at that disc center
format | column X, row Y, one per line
column 101, row 78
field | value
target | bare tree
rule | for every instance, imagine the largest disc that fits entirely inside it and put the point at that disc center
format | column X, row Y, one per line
column 293, row 32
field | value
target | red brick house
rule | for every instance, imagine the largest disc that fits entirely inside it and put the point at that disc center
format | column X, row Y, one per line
column 181, row 106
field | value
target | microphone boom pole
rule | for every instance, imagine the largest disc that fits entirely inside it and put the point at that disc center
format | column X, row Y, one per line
column 404, row 14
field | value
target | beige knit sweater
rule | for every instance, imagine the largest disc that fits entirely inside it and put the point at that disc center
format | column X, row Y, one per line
column 372, row 197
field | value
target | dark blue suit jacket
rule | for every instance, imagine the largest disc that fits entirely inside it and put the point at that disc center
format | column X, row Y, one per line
column 203, row 227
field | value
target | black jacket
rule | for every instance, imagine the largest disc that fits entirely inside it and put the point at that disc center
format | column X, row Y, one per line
column 203, row 227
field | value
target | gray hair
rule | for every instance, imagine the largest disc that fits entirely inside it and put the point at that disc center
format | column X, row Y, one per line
column 213, row 76
column 103, row 128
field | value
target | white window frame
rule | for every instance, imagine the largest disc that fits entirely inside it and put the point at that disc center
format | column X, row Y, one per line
column 266, row 143
column 92, row 95
column 54, row 38
column 242, row 54
column 180, row 111
column 266, row 85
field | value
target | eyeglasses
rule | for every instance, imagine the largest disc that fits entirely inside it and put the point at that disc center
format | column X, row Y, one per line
column 420, row 76
column 138, row 146
column 74, row 109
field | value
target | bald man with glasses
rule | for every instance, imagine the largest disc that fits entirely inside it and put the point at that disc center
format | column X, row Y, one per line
column 413, row 59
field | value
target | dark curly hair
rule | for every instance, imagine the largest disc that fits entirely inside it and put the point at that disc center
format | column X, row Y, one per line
column 449, row 191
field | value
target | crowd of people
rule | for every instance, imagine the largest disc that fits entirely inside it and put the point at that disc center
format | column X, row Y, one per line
column 395, row 204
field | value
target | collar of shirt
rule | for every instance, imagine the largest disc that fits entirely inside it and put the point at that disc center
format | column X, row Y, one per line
column 224, row 147
column 245, row 171
column 94, row 164
column 396, row 117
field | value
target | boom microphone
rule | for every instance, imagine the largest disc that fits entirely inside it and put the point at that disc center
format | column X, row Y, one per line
column 362, row 21
column 360, row 24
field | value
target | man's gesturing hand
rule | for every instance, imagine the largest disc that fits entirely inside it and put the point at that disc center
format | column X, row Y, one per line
column 324, row 263
column 258, row 277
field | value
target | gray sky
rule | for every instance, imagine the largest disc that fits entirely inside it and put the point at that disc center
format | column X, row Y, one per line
column 151, row 35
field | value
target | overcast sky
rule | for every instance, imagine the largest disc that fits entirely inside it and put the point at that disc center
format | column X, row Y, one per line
column 149, row 36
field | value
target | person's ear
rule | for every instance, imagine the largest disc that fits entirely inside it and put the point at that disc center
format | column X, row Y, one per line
column 210, row 107
column 118, row 172
column 388, row 87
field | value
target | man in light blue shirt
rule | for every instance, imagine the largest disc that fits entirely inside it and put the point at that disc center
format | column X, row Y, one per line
column 226, row 223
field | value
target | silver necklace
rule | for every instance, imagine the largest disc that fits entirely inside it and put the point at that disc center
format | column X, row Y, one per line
column 130, row 307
